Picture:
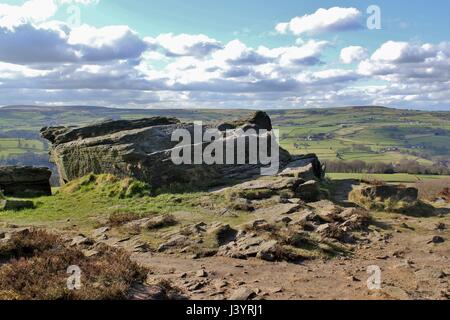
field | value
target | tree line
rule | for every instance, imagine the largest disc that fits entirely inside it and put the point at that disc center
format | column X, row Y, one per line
column 403, row 166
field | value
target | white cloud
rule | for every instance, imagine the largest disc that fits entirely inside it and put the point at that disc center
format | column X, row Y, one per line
column 185, row 44
column 34, row 11
column 323, row 20
column 57, row 43
column 392, row 51
column 30, row 11
column 353, row 54
column 51, row 62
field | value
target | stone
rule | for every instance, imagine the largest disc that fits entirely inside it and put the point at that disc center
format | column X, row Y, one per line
column 306, row 167
column 279, row 209
column 284, row 220
column 305, row 173
column 376, row 196
column 268, row 251
column 15, row 205
column 309, row 191
column 27, row 182
column 100, row 232
column 331, row 230
column 201, row 274
column 175, row 241
column 137, row 224
column 245, row 247
column 81, row 240
column 142, row 149
column 242, row 294
column 437, row 240
column 223, row 234
column 396, row 293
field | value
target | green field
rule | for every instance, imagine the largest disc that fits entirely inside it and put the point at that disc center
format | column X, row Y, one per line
column 13, row 147
column 398, row 178
column 371, row 134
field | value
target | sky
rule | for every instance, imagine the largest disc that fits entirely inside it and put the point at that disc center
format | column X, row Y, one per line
column 225, row 53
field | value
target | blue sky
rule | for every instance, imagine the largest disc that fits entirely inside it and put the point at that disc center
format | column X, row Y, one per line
column 224, row 54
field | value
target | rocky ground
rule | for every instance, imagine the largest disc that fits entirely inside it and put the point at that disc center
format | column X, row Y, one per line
column 284, row 248
column 412, row 268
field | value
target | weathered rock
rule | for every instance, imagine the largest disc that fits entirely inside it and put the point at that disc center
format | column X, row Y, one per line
column 25, row 181
column 326, row 211
column 378, row 195
column 437, row 240
column 223, row 234
column 280, row 209
column 242, row 294
column 308, row 191
column 306, row 167
column 245, row 247
column 100, row 232
column 81, row 240
column 201, row 274
column 175, row 241
column 15, row 205
column 268, row 251
column 142, row 149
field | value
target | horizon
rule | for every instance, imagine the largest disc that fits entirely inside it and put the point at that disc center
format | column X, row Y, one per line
column 223, row 109
column 225, row 55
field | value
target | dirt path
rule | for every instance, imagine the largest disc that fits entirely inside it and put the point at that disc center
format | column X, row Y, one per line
column 411, row 268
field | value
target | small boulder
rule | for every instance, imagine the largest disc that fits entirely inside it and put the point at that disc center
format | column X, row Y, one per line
column 268, row 251
column 386, row 197
column 223, row 234
column 437, row 240
column 242, row 294
column 81, row 240
column 100, row 232
column 175, row 241
column 25, row 182
column 309, row 191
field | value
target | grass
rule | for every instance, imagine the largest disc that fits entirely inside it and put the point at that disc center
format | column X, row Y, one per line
column 12, row 147
column 390, row 178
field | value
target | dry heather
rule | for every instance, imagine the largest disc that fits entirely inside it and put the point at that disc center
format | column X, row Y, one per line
column 120, row 219
column 34, row 267
column 432, row 189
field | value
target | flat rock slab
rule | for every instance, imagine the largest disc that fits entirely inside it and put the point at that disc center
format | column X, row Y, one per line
column 280, row 209
column 18, row 181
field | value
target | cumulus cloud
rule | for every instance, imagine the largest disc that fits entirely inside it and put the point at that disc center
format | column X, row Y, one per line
column 323, row 20
column 51, row 62
column 353, row 54
column 30, row 11
column 34, row 11
column 57, row 43
column 184, row 44
column 409, row 62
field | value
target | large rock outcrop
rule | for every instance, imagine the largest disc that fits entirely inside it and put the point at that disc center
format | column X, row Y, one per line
column 142, row 149
column 25, row 181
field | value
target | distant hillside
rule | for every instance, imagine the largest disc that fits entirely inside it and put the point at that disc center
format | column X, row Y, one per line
column 352, row 133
